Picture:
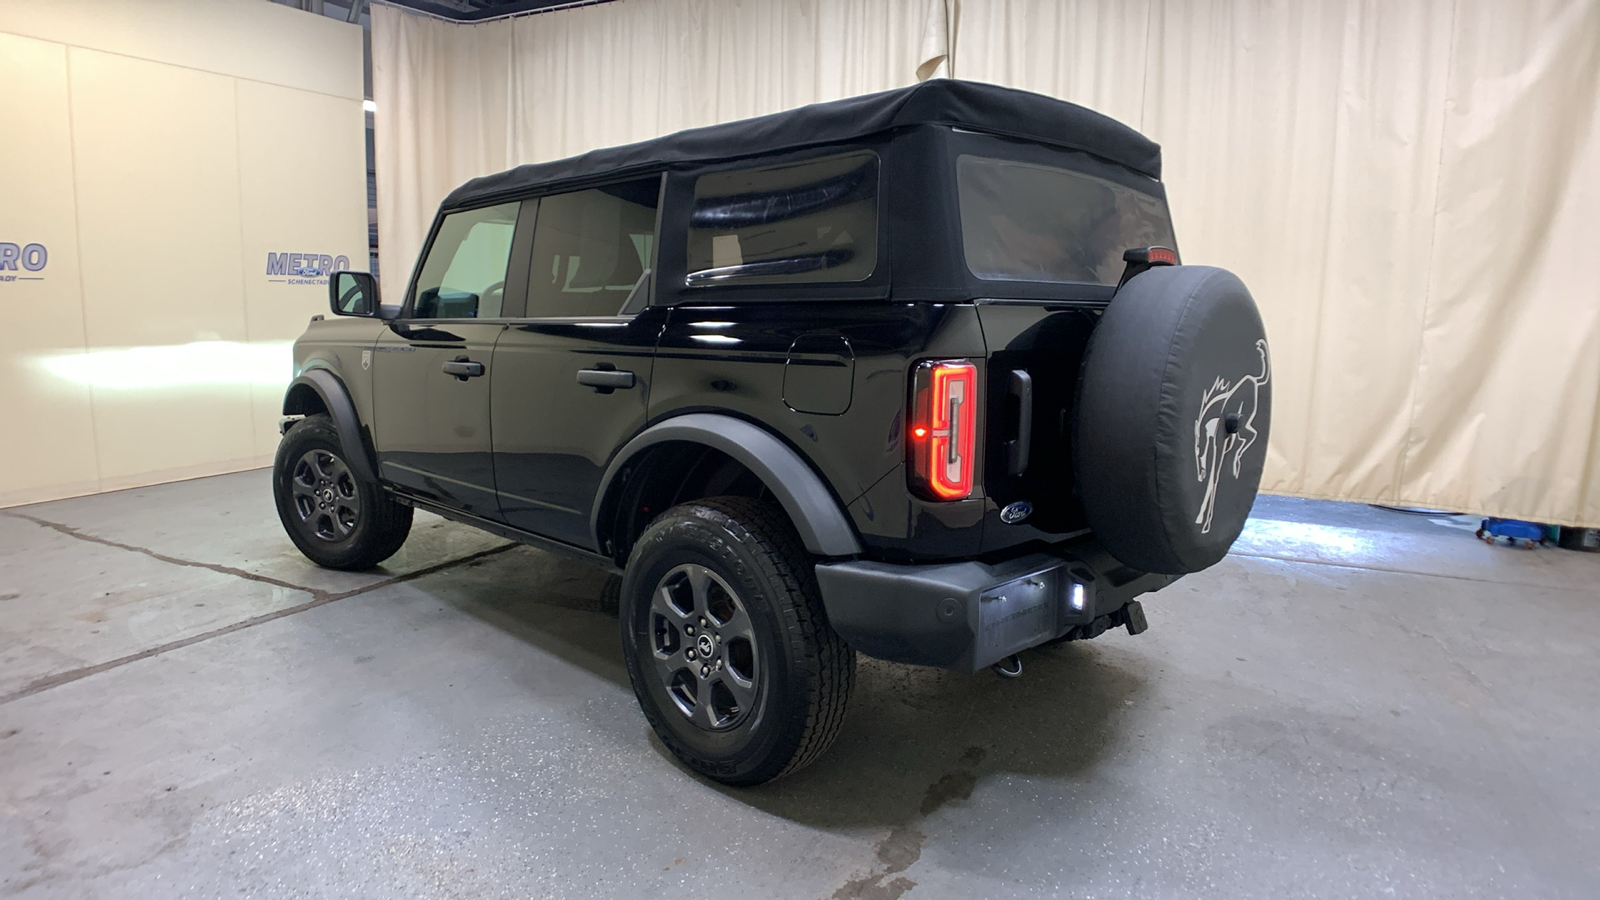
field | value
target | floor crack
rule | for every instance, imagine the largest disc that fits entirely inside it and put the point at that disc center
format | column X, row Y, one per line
column 69, row 531
column 318, row 598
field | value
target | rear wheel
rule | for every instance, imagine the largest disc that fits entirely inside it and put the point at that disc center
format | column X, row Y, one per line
column 727, row 645
column 338, row 520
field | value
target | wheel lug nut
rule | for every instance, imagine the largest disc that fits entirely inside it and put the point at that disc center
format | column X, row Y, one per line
column 702, row 623
column 690, row 654
column 704, row 671
column 689, row 629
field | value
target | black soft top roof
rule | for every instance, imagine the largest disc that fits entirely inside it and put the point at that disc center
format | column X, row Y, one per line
column 965, row 104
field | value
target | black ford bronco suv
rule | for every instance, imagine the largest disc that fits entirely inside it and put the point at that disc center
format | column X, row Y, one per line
column 915, row 374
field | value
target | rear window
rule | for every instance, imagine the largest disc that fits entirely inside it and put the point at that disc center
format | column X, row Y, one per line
column 1029, row 222
column 805, row 222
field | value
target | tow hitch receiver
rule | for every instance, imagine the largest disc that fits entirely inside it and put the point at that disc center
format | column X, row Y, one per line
column 1133, row 614
column 1130, row 616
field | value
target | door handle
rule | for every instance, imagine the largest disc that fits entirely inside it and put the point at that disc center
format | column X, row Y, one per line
column 463, row 368
column 604, row 381
column 1021, row 387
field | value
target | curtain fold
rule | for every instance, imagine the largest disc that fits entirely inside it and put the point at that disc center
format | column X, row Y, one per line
column 1508, row 402
column 1408, row 189
column 460, row 100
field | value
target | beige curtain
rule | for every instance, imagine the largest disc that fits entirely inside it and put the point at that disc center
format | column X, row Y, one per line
column 456, row 101
column 1408, row 188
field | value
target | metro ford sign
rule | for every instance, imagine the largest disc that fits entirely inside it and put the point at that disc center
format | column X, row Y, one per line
column 31, row 258
column 304, row 268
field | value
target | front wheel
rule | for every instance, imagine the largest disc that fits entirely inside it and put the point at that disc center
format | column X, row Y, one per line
column 727, row 645
column 338, row 520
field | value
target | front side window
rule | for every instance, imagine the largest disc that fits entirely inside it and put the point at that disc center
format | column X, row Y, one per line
column 591, row 248
column 1028, row 222
column 464, row 276
column 805, row 222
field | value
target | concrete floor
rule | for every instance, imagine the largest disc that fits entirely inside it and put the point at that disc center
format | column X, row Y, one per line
column 1357, row 703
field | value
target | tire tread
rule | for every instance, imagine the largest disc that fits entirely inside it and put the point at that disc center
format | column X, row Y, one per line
column 822, row 662
column 389, row 522
column 828, row 661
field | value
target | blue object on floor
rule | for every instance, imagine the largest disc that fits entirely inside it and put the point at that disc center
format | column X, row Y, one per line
column 1511, row 529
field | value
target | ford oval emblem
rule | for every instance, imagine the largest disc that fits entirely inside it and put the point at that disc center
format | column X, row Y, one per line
column 1016, row 512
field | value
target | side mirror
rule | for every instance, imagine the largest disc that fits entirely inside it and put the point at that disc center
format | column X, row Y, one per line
column 353, row 294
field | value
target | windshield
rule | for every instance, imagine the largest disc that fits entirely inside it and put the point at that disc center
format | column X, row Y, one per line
column 1028, row 222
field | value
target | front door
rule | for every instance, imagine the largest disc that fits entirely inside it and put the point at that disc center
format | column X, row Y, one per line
column 431, row 369
column 572, row 378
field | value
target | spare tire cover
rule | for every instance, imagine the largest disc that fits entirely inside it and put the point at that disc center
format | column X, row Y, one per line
column 1170, row 430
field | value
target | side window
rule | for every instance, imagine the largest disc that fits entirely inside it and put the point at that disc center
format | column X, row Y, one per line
column 591, row 248
column 464, row 276
column 812, row 221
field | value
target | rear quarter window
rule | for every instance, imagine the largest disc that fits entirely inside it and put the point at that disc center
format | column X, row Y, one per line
column 792, row 223
column 1024, row 221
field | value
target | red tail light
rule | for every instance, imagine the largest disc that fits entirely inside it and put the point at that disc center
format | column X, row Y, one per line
column 944, row 424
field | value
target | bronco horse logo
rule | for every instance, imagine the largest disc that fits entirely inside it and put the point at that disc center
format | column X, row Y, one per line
column 1226, row 425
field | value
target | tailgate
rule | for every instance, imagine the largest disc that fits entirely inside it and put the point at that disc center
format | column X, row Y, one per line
column 1035, row 353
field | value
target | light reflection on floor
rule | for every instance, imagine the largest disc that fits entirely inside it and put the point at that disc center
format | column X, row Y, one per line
column 1324, row 540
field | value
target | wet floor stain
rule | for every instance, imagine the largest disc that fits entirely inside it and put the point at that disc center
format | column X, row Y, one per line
column 903, row 846
column 956, row 784
column 896, row 853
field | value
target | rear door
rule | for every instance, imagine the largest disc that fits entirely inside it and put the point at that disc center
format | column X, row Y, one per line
column 431, row 367
column 1043, row 233
column 572, row 373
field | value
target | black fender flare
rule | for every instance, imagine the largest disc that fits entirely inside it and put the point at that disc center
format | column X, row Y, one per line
column 816, row 515
column 336, row 400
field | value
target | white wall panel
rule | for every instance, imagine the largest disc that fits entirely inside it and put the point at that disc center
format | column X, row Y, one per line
column 299, row 151
column 48, row 436
column 157, row 161
column 160, row 150
column 251, row 39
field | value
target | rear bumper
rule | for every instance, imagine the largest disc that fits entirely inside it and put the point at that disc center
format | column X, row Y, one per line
column 965, row 616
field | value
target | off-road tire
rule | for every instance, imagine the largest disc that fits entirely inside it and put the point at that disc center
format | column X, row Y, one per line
column 809, row 672
column 611, row 595
column 381, row 526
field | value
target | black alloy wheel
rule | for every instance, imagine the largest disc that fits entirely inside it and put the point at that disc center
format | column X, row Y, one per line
column 325, row 495
column 727, row 643
column 704, row 647
column 337, row 519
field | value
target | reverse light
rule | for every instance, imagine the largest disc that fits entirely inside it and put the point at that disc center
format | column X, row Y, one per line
column 944, row 424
